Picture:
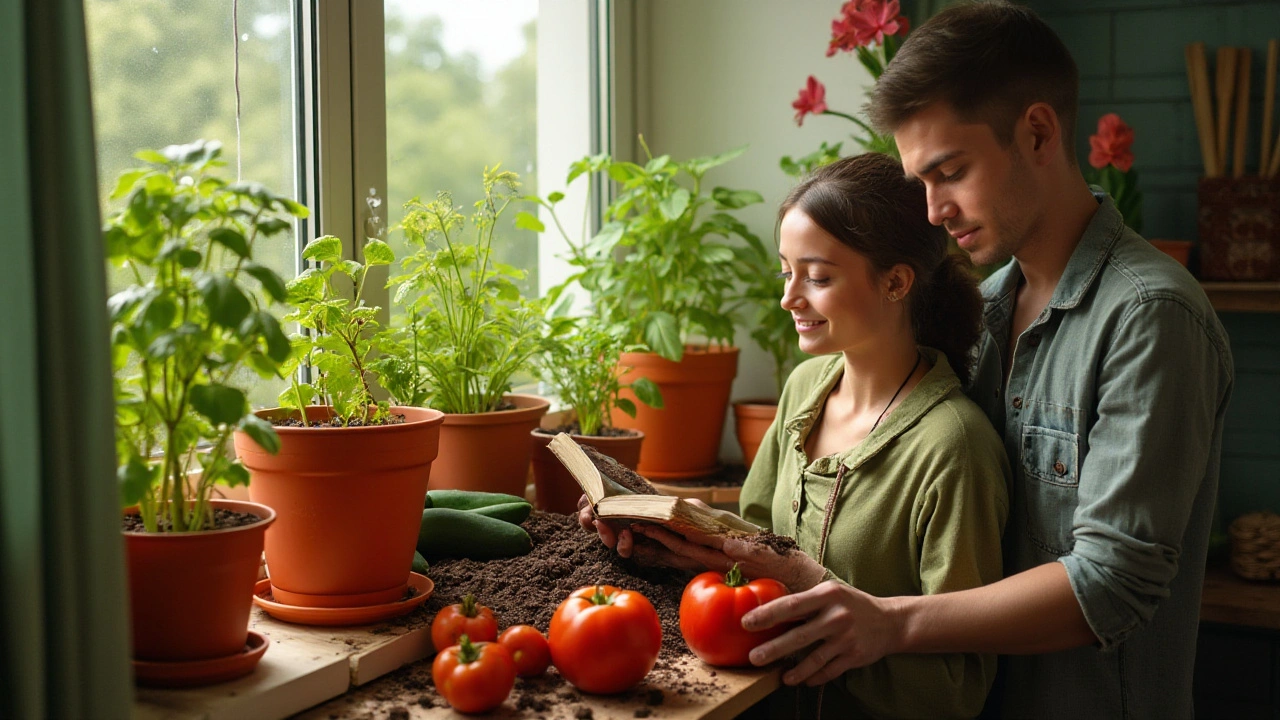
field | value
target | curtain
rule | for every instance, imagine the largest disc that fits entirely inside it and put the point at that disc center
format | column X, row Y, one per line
column 63, row 605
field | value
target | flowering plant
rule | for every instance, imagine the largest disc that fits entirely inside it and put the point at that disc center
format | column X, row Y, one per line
column 873, row 30
column 1111, row 158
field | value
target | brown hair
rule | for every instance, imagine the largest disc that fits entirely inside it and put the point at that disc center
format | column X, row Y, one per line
column 989, row 61
column 867, row 203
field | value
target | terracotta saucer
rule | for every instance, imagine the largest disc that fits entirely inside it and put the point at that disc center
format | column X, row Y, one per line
column 193, row 673
column 365, row 615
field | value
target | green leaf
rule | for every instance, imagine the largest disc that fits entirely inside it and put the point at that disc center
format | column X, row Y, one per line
column 261, row 431
column 555, row 197
column 230, row 239
column 306, row 287
column 323, row 249
column 227, row 304
column 733, row 199
column 699, row 166
column 606, row 239
column 120, row 304
column 625, row 406
column 159, row 314
column 273, row 226
column 715, row 254
column 151, row 156
column 662, row 333
column 675, row 204
column 222, row 405
column 527, row 221
column 648, row 393
column 135, row 478
column 278, row 345
column 377, row 252
column 234, row 474
column 126, row 182
column 272, row 283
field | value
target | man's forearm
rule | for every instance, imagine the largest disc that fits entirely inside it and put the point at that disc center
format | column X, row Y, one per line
column 1034, row 611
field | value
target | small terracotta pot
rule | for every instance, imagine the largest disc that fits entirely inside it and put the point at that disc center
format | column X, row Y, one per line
column 190, row 593
column 556, row 489
column 752, row 419
column 350, row 505
column 1179, row 250
column 682, row 440
column 489, row 451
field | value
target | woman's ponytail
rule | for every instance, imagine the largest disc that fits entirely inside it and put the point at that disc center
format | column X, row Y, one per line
column 946, row 313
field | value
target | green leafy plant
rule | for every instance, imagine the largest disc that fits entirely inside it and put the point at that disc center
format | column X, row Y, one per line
column 194, row 316
column 772, row 327
column 343, row 337
column 468, row 331
column 582, row 369
column 655, row 272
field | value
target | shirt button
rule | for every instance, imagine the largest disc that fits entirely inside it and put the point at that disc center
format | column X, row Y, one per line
column 1033, row 340
column 795, row 505
column 1059, row 468
column 1017, row 403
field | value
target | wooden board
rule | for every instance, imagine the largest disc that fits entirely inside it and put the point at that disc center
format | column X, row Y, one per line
column 734, row 691
column 1233, row 600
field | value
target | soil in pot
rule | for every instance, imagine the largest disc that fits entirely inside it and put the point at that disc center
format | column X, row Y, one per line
column 555, row 488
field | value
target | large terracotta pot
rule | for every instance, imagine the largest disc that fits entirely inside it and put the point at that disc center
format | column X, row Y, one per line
column 349, row 503
column 489, row 451
column 190, row 593
column 682, row 440
column 752, row 419
column 556, row 490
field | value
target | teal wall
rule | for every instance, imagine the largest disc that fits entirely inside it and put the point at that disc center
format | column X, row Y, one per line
column 1130, row 54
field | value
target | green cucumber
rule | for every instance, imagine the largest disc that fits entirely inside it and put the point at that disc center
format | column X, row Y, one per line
column 449, row 533
column 419, row 563
column 467, row 499
column 508, row 512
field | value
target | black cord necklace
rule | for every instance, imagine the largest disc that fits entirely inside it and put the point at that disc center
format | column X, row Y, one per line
column 895, row 394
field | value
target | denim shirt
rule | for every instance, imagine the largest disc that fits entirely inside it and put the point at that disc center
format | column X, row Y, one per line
column 1112, row 419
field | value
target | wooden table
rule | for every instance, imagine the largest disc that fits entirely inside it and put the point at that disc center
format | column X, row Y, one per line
column 1232, row 600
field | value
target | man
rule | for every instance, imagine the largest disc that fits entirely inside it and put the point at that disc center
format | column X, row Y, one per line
column 1103, row 366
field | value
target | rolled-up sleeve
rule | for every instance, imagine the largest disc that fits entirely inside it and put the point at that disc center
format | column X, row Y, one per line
column 1162, row 389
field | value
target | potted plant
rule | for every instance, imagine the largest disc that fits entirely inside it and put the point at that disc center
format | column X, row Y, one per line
column 658, row 276
column 194, row 317
column 351, row 476
column 582, row 369
column 467, row 333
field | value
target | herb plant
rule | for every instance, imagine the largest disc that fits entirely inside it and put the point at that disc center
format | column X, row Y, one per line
column 582, row 369
column 194, row 315
column 343, row 334
column 467, row 329
column 656, row 273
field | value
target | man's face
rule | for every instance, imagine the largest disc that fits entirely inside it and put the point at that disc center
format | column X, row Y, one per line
column 983, row 193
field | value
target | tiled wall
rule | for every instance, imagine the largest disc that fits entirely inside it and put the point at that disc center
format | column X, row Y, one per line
column 1130, row 54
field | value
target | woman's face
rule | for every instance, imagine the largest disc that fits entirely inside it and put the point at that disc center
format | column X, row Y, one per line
column 833, row 293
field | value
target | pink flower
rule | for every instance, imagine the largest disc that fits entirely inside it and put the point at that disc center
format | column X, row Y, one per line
column 1111, row 145
column 812, row 100
column 863, row 22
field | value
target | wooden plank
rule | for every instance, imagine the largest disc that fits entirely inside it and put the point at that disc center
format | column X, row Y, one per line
column 1232, row 600
column 1263, row 297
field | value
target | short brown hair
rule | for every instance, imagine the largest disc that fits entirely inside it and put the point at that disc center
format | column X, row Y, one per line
column 867, row 203
column 989, row 61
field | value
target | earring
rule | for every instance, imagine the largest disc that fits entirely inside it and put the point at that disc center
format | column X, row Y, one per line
column 893, row 297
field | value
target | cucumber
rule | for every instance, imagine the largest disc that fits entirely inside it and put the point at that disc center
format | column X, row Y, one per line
column 515, row 513
column 467, row 499
column 419, row 563
column 449, row 533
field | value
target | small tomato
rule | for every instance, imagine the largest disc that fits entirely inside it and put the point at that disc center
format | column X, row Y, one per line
column 474, row 678
column 465, row 618
column 711, row 611
column 529, row 649
column 605, row 640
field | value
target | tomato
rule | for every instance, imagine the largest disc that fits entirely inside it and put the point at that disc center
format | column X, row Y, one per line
column 711, row 611
column 528, row 648
column 465, row 618
column 474, row 677
column 605, row 640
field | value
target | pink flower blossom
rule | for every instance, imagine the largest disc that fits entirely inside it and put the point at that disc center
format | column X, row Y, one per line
column 1112, row 144
column 812, row 100
column 863, row 22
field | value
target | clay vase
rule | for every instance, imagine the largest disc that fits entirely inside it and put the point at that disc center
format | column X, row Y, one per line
column 1179, row 250
column 682, row 439
column 489, row 451
column 349, row 502
column 556, row 490
column 752, row 419
column 190, row 593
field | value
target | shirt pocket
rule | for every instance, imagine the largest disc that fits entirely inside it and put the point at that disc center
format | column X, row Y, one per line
column 1051, row 473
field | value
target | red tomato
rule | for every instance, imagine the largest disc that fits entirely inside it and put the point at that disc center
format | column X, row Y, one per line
column 465, row 618
column 605, row 640
column 711, row 611
column 474, row 678
column 529, row 649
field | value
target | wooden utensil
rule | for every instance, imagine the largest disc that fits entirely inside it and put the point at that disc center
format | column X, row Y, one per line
column 1225, row 86
column 1198, row 80
column 1244, row 66
column 1268, row 103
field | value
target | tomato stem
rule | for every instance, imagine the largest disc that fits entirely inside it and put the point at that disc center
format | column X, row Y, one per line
column 599, row 598
column 734, row 577
column 467, row 653
column 469, row 608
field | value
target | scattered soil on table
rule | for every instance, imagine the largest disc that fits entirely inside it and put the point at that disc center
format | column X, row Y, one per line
column 619, row 473
column 335, row 422
column 222, row 519
column 574, row 428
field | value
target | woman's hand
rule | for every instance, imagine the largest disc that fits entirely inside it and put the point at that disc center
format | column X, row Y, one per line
column 623, row 540
column 846, row 628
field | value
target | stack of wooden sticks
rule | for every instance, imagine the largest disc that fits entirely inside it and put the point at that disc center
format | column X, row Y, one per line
column 1231, row 88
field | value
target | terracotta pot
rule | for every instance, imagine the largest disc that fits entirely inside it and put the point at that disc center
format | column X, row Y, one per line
column 556, row 490
column 489, row 451
column 350, row 504
column 190, row 593
column 752, row 419
column 682, row 440
column 1179, row 250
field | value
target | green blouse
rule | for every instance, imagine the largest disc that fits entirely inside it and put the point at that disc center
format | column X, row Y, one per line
column 921, row 510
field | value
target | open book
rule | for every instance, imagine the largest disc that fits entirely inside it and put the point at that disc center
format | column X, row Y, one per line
column 613, row 499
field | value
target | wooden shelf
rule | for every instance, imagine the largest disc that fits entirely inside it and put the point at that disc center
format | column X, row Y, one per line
column 1256, row 297
column 1232, row 600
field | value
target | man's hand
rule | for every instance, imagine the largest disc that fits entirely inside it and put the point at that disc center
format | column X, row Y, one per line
column 846, row 628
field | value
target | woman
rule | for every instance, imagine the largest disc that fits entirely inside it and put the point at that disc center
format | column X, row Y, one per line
column 891, row 481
